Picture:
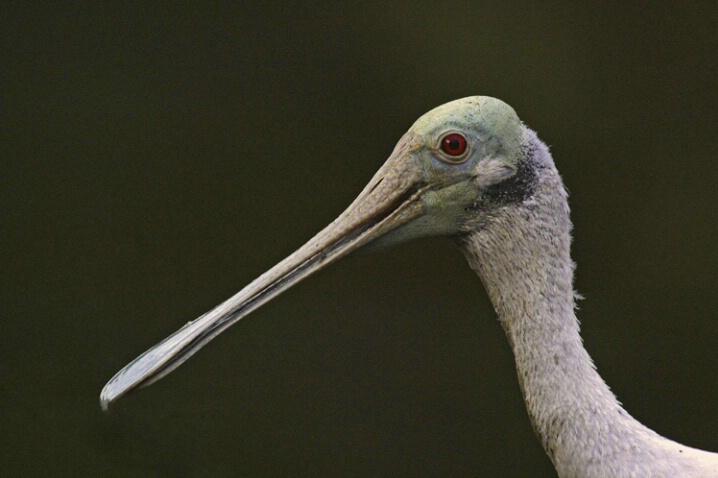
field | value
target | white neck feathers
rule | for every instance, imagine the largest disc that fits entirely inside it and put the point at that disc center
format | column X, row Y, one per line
column 522, row 256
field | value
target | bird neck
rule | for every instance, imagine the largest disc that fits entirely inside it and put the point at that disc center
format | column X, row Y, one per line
column 522, row 255
column 523, row 260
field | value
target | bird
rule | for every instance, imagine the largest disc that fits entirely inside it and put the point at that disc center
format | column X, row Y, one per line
column 472, row 171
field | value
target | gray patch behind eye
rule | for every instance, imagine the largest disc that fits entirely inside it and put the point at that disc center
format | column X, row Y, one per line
column 492, row 171
column 505, row 189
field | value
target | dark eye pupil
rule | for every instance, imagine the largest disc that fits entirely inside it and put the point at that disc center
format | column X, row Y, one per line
column 453, row 144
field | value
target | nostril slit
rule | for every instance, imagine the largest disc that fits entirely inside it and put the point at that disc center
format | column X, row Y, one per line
column 376, row 185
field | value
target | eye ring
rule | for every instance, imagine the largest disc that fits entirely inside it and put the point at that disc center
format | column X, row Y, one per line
column 454, row 145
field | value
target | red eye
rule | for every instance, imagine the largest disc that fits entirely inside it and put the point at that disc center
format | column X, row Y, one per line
column 453, row 144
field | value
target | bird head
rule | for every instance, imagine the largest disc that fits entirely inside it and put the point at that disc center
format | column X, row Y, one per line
column 456, row 164
column 444, row 177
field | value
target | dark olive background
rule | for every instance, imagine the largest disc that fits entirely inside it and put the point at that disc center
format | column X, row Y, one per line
column 156, row 158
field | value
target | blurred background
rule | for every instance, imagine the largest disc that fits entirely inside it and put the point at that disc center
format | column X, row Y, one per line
column 157, row 157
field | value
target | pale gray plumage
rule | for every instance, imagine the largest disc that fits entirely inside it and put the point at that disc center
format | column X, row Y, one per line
column 504, row 203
